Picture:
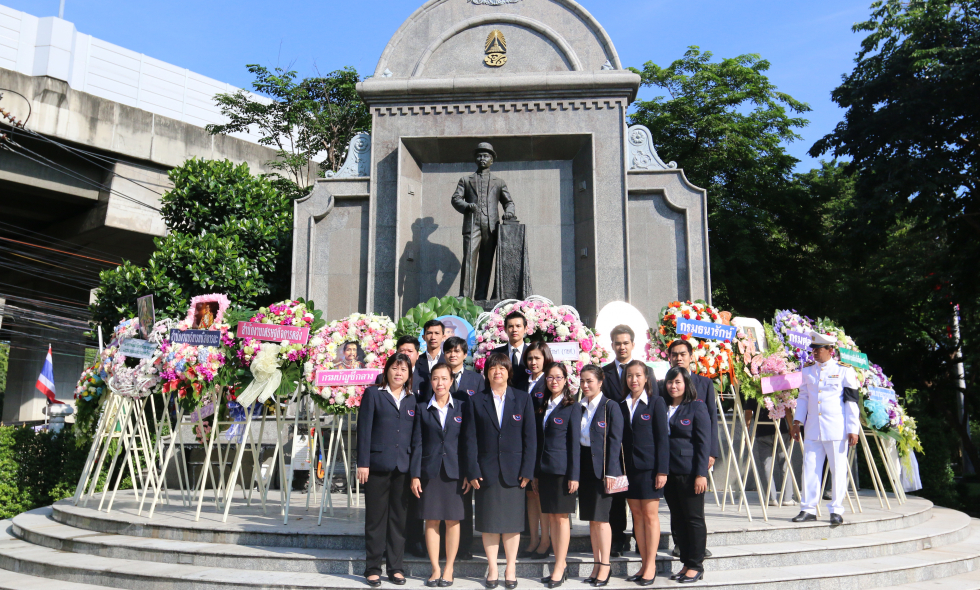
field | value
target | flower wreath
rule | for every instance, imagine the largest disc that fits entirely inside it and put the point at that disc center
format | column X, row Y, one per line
column 546, row 322
column 375, row 337
column 787, row 320
column 712, row 358
column 189, row 369
column 133, row 377
column 88, row 395
column 752, row 367
column 277, row 368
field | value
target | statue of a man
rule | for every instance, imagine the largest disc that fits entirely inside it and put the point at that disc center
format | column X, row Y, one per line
column 476, row 197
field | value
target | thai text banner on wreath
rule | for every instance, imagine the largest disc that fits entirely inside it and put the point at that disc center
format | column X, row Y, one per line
column 854, row 358
column 707, row 330
column 273, row 332
column 342, row 378
column 196, row 337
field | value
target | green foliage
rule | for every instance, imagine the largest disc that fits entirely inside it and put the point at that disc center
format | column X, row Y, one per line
column 230, row 232
column 4, row 361
column 725, row 124
column 37, row 469
column 435, row 307
column 302, row 119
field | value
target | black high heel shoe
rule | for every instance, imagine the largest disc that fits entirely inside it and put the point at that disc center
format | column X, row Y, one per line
column 491, row 584
column 600, row 583
column 552, row 583
column 691, row 579
column 646, row 582
column 591, row 579
column 432, row 583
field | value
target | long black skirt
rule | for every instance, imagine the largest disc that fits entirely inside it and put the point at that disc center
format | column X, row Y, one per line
column 442, row 498
column 594, row 503
column 499, row 507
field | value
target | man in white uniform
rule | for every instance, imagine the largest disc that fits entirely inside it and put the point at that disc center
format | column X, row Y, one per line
column 827, row 409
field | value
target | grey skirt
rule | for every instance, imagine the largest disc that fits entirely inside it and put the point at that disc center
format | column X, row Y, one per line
column 499, row 507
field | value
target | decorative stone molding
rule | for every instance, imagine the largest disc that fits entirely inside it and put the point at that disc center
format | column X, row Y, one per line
column 506, row 107
column 494, row 2
column 358, row 162
column 608, row 66
column 641, row 153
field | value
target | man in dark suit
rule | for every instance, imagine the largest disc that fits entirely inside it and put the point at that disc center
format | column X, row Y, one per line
column 476, row 197
column 623, row 340
column 409, row 346
column 680, row 353
column 433, row 333
column 466, row 386
column 515, row 324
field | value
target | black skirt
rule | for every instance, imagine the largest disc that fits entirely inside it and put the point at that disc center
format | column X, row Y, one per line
column 593, row 501
column 643, row 486
column 499, row 507
column 442, row 499
column 553, row 490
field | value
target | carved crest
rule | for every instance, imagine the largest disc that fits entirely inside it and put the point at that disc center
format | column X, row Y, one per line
column 496, row 49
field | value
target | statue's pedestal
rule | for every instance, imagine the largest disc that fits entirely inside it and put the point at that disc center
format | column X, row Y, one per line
column 488, row 304
column 513, row 278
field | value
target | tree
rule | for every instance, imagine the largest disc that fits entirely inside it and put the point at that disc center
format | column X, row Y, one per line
column 4, row 360
column 230, row 232
column 725, row 124
column 299, row 119
column 910, row 130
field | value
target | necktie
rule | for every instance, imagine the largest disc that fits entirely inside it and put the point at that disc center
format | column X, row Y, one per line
column 455, row 385
column 622, row 369
column 513, row 358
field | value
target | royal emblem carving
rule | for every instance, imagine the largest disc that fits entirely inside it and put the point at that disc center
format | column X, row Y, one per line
column 496, row 49
column 358, row 162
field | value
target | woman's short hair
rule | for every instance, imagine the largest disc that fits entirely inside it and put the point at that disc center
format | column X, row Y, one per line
column 646, row 374
column 543, row 348
column 440, row 366
column 690, row 393
column 595, row 370
column 497, row 359
column 394, row 359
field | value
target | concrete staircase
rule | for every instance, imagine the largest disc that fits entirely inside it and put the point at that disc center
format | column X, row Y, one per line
column 916, row 546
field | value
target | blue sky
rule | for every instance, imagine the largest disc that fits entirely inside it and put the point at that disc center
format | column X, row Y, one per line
column 809, row 44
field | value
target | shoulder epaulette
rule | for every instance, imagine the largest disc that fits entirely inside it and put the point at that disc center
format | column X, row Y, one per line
column 810, row 364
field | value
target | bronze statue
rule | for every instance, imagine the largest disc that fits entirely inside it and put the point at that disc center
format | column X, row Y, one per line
column 476, row 197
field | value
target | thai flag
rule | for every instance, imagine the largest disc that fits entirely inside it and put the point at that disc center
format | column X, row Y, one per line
column 45, row 381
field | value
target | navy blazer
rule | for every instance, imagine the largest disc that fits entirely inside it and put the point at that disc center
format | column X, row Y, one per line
column 435, row 447
column 384, row 431
column 519, row 375
column 559, row 451
column 690, row 430
column 538, row 392
column 646, row 444
column 470, row 385
column 416, row 383
column 706, row 393
column 607, row 425
column 422, row 370
column 492, row 450
column 612, row 386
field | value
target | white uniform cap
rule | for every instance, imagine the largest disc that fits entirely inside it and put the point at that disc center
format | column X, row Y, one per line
column 819, row 339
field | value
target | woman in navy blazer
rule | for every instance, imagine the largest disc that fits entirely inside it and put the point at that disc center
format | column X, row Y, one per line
column 601, row 442
column 646, row 448
column 537, row 356
column 501, row 446
column 436, row 475
column 689, row 424
column 557, row 473
column 385, row 422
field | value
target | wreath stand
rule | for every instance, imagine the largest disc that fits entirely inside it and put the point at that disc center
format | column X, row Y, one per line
column 337, row 445
column 788, row 474
column 158, row 454
column 183, row 475
column 738, row 419
column 104, row 433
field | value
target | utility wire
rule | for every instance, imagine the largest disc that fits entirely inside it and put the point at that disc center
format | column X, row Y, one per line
column 58, row 251
column 29, row 233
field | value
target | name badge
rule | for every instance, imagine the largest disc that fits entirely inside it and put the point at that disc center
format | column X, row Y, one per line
column 411, row 413
column 644, row 416
column 685, row 422
column 559, row 420
column 601, row 424
column 458, row 419
column 470, row 392
column 517, row 417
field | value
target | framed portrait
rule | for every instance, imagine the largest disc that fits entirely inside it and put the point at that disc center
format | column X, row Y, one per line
column 146, row 314
column 349, row 356
column 206, row 311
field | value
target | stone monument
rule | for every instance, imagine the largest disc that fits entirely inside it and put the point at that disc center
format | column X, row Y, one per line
column 605, row 219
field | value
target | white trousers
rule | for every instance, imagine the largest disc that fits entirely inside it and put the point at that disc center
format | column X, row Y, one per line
column 814, row 452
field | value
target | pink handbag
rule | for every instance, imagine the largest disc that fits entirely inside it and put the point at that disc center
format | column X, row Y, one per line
column 618, row 484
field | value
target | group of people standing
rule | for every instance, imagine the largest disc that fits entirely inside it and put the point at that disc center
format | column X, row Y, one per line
column 433, row 437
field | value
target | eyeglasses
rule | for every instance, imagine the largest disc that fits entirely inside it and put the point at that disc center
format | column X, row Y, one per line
column 555, row 378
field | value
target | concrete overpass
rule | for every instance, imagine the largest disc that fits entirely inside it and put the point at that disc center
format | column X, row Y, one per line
column 67, row 211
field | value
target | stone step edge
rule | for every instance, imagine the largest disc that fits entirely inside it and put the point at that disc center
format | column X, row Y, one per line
column 116, row 523
column 17, row 581
column 26, row 526
column 967, row 581
column 29, row 559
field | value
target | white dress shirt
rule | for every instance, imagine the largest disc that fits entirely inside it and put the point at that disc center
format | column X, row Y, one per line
column 498, row 403
column 520, row 351
column 552, row 404
column 532, row 382
column 443, row 411
column 632, row 404
column 432, row 361
column 671, row 410
column 588, row 412
column 398, row 399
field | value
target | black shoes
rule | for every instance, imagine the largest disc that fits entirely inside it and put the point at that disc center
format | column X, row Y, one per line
column 491, row 584
column 510, row 584
column 432, row 583
column 804, row 516
column 646, row 582
column 552, row 583
column 691, row 579
column 677, row 575
column 600, row 583
column 464, row 555
column 396, row 581
column 374, row 583
column 633, row 578
column 836, row 520
column 445, row 583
